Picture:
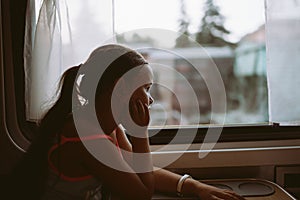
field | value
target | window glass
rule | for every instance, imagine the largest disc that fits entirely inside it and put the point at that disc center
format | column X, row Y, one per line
column 221, row 37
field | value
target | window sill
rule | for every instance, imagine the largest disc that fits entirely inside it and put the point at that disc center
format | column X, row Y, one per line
column 228, row 154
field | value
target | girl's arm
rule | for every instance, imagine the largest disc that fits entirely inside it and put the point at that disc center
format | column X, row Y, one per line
column 128, row 180
column 166, row 181
column 107, row 164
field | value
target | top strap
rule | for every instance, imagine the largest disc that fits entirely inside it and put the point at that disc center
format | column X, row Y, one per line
column 77, row 139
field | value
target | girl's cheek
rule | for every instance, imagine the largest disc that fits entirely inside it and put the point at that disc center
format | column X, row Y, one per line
column 140, row 94
column 135, row 96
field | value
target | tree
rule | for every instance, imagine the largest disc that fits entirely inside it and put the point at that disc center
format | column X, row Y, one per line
column 212, row 28
column 182, row 40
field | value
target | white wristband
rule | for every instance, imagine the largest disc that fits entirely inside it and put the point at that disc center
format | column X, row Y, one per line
column 180, row 184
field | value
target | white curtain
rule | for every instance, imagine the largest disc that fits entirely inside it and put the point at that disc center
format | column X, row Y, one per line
column 59, row 35
column 283, row 61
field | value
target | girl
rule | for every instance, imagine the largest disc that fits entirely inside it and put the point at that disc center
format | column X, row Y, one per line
column 60, row 165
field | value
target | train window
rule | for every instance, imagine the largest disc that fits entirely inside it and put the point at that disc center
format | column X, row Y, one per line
column 219, row 62
column 215, row 62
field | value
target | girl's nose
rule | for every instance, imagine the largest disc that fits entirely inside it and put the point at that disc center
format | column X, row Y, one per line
column 151, row 100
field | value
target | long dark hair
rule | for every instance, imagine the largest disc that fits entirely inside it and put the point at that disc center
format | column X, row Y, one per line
column 28, row 178
column 30, row 175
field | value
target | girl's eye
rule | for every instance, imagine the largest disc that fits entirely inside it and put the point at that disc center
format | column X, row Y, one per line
column 148, row 88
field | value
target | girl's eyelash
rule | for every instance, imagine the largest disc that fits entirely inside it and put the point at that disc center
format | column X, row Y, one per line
column 148, row 87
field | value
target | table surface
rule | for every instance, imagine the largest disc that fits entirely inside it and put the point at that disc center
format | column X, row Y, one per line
column 278, row 193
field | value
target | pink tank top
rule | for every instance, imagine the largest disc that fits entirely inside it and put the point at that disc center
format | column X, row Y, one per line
column 65, row 140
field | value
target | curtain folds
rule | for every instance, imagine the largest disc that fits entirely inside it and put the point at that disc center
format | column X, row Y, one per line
column 62, row 35
column 283, row 63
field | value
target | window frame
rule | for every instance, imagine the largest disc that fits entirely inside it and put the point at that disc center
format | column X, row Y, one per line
column 21, row 132
column 229, row 133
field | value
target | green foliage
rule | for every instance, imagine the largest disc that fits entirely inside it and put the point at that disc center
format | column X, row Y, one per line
column 212, row 30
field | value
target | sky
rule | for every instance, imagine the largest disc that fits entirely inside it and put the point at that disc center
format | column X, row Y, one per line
column 242, row 16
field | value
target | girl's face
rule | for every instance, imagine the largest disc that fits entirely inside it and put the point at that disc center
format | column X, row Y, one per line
column 132, row 93
column 143, row 92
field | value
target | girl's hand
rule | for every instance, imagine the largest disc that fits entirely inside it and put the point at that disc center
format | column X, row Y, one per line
column 139, row 112
column 208, row 192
